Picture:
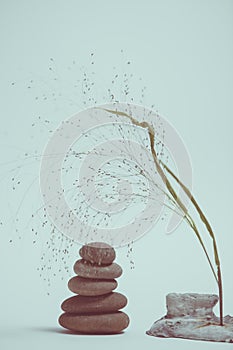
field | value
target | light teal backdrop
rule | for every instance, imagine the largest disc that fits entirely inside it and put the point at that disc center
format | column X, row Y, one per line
column 183, row 50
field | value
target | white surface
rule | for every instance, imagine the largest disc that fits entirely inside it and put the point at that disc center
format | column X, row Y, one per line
column 37, row 338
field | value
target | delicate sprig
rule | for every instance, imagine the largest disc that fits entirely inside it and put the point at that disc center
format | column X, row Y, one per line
column 159, row 167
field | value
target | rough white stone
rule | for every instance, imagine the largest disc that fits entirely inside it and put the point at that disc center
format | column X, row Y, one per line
column 192, row 304
column 191, row 316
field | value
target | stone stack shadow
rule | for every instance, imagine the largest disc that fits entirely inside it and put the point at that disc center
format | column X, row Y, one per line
column 95, row 307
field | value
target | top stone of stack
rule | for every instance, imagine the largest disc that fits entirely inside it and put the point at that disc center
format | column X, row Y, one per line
column 98, row 253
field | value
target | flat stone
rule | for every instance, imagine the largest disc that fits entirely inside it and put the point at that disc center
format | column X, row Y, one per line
column 97, row 304
column 190, row 316
column 85, row 269
column 98, row 253
column 91, row 286
column 110, row 323
column 194, row 328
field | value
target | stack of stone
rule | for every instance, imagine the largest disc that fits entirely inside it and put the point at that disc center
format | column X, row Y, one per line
column 95, row 308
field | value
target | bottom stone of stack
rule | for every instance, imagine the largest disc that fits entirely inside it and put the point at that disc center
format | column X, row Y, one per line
column 110, row 323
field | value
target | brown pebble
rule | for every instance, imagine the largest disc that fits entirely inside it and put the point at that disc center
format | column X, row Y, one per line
column 110, row 323
column 79, row 304
column 85, row 269
column 91, row 286
column 98, row 253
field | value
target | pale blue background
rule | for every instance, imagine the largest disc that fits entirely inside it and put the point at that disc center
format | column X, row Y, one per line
column 183, row 50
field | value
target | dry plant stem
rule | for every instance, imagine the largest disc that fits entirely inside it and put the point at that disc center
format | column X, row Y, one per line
column 200, row 212
column 209, row 229
column 193, row 226
column 182, row 206
column 188, row 218
column 179, row 202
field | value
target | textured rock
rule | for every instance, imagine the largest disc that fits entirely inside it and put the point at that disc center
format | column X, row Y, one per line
column 190, row 304
column 99, row 304
column 98, row 253
column 190, row 316
column 91, row 286
column 85, row 269
column 109, row 323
